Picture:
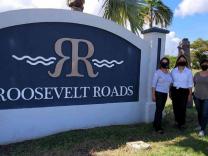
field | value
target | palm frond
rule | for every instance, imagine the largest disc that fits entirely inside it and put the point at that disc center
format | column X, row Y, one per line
column 160, row 13
column 123, row 11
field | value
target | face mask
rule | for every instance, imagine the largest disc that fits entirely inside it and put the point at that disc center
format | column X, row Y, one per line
column 204, row 67
column 182, row 63
column 164, row 65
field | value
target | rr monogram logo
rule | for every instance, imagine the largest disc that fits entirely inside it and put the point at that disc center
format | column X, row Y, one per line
column 75, row 58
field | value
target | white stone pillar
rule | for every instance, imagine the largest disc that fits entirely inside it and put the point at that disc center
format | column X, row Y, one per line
column 156, row 37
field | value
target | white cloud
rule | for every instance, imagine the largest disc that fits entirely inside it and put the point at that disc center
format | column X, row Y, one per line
column 23, row 4
column 172, row 42
column 190, row 7
column 11, row 5
column 91, row 6
column 62, row 4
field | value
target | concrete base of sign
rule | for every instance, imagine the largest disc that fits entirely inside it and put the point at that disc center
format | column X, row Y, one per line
column 38, row 122
column 28, row 123
column 149, row 112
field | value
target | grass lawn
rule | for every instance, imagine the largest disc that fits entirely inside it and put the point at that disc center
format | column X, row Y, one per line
column 111, row 141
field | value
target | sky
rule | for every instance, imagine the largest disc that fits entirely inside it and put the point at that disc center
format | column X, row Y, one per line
column 190, row 21
column 190, row 16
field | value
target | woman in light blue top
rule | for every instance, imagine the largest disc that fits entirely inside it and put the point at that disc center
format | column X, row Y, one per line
column 160, row 88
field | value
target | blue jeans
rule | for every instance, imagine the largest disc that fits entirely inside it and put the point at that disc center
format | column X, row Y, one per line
column 202, row 110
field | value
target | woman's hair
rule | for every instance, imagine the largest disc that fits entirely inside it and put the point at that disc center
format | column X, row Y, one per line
column 164, row 58
column 176, row 64
column 203, row 61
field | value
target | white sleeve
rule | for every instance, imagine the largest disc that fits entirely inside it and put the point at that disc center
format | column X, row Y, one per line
column 155, row 79
column 190, row 79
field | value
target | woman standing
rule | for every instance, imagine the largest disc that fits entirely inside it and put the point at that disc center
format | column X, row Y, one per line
column 160, row 88
column 201, row 95
column 181, row 91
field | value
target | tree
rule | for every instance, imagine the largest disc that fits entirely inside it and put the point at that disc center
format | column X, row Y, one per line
column 156, row 11
column 172, row 61
column 137, row 12
column 198, row 47
column 124, row 12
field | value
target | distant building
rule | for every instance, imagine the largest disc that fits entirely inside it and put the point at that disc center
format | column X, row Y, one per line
column 184, row 49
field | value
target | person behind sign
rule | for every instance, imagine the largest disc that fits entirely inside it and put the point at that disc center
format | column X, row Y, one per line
column 201, row 95
column 181, row 91
column 160, row 88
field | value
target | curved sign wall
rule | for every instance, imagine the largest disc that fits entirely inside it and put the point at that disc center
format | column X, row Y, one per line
column 46, row 64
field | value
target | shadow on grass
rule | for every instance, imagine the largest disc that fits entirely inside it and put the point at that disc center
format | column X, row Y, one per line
column 86, row 142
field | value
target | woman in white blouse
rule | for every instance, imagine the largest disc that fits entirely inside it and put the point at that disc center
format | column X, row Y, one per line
column 181, row 91
column 160, row 88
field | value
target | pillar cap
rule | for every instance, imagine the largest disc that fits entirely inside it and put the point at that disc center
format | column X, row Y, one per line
column 155, row 29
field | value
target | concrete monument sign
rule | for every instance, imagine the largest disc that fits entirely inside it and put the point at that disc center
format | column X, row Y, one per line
column 63, row 70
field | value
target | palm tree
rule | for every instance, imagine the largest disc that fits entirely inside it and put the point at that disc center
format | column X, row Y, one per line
column 156, row 11
column 137, row 13
column 125, row 12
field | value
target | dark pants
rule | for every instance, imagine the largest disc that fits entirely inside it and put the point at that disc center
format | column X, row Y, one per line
column 202, row 111
column 160, row 104
column 179, row 100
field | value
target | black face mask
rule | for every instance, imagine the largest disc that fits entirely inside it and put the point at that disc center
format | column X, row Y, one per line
column 182, row 63
column 204, row 67
column 164, row 65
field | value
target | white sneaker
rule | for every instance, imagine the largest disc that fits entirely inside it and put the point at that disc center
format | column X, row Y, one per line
column 201, row 133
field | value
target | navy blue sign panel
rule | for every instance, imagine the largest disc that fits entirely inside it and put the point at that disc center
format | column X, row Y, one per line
column 59, row 64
